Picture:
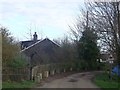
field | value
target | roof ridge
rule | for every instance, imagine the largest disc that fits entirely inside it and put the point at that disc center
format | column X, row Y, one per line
column 31, row 46
column 37, row 43
column 55, row 42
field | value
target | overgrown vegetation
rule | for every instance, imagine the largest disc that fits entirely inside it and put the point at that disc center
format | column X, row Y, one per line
column 10, row 47
column 11, row 59
column 11, row 56
column 18, row 62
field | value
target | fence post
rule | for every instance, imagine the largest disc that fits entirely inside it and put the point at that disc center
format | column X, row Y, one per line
column 40, row 74
column 52, row 72
column 46, row 74
column 37, row 78
column 64, row 70
column 71, row 69
column 30, row 73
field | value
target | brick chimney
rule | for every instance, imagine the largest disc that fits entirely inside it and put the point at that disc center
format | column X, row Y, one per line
column 35, row 36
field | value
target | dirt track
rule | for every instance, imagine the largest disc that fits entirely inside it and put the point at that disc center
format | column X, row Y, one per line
column 78, row 80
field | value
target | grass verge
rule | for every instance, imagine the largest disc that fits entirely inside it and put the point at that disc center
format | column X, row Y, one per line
column 103, row 81
column 23, row 84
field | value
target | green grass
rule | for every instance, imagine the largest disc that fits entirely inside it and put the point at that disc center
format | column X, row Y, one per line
column 23, row 84
column 103, row 81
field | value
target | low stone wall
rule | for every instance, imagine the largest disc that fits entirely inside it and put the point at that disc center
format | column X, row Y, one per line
column 44, row 71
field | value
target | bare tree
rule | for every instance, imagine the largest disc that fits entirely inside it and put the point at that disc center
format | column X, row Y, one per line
column 104, row 18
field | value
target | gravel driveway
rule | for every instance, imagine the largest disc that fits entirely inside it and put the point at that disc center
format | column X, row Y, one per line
column 79, row 80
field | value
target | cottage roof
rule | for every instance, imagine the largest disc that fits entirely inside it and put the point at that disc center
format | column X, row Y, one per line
column 38, row 41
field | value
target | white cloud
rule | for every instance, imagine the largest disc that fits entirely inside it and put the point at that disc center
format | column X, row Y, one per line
column 46, row 1
column 43, row 13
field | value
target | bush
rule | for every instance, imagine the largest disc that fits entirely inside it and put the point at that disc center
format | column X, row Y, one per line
column 18, row 62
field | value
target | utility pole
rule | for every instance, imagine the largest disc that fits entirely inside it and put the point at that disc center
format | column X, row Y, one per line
column 87, row 21
column 118, row 11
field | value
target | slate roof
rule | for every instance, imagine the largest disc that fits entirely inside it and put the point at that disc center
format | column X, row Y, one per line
column 30, row 44
column 25, row 44
column 42, row 52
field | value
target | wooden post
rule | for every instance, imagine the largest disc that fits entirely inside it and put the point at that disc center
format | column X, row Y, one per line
column 46, row 74
column 38, row 79
column 40, row 74
column 71, row 69
column 30, row 73
column 64, row 70
column 35, row 78
column 52, row 72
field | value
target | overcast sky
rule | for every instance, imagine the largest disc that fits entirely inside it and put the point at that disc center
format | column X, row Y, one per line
column 49, row 18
